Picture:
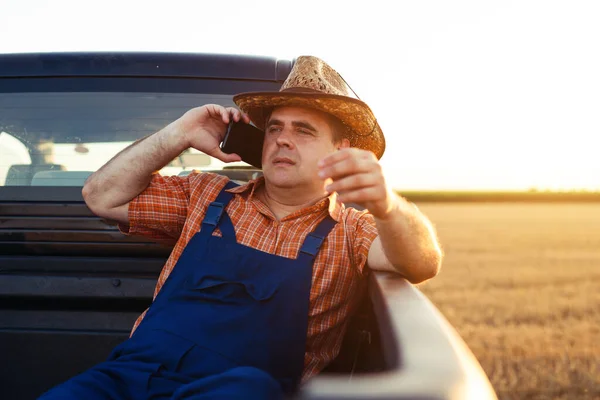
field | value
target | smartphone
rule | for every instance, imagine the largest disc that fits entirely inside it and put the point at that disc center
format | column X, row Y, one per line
column 246, row 141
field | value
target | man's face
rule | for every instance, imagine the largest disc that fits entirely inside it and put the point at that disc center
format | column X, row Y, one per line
column 296, row 139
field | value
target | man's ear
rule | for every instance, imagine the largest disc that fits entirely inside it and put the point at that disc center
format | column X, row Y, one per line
column 344, row 144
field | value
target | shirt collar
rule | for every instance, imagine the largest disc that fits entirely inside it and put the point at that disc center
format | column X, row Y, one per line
column 331, row 202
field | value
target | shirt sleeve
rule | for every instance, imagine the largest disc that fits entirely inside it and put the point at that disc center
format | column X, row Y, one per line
column 362, row 234
column 160, row 211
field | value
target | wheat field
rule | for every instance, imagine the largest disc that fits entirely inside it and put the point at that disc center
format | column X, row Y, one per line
column 521, row 284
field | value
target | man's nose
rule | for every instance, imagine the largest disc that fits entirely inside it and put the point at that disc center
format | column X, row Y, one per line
column 285, row 138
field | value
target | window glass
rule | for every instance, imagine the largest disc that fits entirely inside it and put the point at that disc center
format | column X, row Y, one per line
column 58, row 139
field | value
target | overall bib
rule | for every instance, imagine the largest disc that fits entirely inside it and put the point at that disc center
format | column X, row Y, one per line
column 229, row 322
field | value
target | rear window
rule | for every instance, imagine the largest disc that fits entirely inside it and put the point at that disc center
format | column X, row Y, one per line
column 59, row 139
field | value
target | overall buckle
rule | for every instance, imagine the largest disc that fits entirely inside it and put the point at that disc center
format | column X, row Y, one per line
column 213, row 213
column 311, row 244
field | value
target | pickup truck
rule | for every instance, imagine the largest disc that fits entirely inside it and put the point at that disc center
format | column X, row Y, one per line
column 71, row 285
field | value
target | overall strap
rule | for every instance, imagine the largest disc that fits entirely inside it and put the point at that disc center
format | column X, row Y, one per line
column 314, row 240
column 216, row 214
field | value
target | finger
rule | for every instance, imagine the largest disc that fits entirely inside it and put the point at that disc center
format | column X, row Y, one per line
column 326, row 184
column 218, row 112
column 231, row 157
column 345, row 167
column 246, row 118
column 336, row 157
column 224, row 115
column 353, row 182
column 225, row 157
column 234, row 113
column 238, row 115
column 360, row 196
column 242, row 116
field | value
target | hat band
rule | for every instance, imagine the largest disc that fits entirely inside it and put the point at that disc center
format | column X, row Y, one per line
column 301, row 90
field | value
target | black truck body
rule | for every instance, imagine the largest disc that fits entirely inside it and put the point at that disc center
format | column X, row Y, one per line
column 71, row 285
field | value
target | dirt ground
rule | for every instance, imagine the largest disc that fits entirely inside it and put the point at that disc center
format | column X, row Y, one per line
column 521, row 285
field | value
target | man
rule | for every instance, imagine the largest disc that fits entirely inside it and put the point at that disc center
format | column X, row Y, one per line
column 256, row 294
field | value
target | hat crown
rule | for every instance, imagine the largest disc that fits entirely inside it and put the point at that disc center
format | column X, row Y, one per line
column 313, row 74
column 312, row 83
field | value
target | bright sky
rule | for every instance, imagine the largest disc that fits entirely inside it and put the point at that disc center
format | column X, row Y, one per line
column 470, row 94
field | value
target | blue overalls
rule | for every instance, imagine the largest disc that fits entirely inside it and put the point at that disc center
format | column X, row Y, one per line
column 230, row 322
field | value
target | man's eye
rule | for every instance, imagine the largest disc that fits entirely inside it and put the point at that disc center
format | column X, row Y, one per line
column 305, row 132
column 273, row 129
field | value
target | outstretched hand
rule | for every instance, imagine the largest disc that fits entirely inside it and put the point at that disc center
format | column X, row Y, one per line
column 358, row 178
column 205, row 127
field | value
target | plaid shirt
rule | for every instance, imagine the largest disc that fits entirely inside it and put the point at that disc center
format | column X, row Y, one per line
column 171, row 209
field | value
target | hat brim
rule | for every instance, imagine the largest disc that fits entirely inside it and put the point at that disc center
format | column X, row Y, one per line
column 364, row 131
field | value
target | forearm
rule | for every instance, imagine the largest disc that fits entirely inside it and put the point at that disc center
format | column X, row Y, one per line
column 409, row 241
column 128, row 173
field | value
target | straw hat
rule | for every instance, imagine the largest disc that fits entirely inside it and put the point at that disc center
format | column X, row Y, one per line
column 314, row 84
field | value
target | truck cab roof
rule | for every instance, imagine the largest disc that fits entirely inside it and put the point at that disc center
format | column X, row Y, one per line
column 144, row 64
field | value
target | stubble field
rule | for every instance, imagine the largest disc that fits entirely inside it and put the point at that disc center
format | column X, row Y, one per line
column 521, row 285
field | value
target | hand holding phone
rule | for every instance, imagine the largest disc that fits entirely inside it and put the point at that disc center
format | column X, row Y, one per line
column 246, row 141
